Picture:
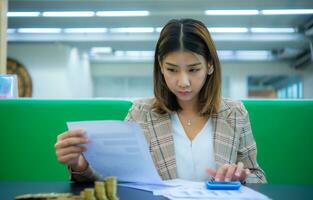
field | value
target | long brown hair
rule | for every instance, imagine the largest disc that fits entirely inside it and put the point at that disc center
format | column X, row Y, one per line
column 193, row 36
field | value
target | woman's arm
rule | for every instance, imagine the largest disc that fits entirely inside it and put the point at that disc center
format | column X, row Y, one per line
column 247, row 152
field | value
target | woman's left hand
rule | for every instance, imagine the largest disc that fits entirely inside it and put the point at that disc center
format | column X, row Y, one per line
column 230, row 172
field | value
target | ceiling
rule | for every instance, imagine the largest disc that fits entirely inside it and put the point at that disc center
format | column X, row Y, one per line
column 283, row 46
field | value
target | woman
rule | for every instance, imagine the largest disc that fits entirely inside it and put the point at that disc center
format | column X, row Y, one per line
column 193, row 133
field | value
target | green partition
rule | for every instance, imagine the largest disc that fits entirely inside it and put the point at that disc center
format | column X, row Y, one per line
column 284, row 136
column 29, row 127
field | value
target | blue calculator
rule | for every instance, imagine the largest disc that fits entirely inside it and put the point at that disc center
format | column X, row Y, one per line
column 214, row 185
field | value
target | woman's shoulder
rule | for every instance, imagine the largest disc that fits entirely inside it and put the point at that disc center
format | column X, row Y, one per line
column 234, row 106
column 139, row 110
column 144, row 104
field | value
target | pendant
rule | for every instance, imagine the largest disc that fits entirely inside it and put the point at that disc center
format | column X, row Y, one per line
column 189, row 122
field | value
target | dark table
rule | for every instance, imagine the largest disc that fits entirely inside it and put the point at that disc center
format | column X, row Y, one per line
column 10, row 189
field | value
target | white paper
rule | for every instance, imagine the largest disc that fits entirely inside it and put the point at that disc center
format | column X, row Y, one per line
column 147, row 187
column 197, row 190
column 118, row 148
column 178, row 189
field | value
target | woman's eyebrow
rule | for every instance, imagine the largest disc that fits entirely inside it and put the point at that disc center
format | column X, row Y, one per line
column 191, row 65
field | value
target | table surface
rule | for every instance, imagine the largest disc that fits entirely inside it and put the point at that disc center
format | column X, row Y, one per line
column 10, row 189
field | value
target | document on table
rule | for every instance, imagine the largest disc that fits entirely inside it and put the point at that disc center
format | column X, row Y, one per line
column 185, row 190
column 197, row 190
column 118, row 148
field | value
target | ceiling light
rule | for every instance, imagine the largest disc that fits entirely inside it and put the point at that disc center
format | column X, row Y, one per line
column 245, row 55
column 11, row 30
column 134, row 53
column 119, row 53
column 231, row 12
column 287, row 12
column 228, row 30
column 101, row 50
column 272, row 30
column 132, row 30
column 85, row 30
column 253, row 55
column 69, row 14
column 139, row 53
column 225, row 53
column 39, row 30
column 158, row 29
column 23, row 14
column 122, row 13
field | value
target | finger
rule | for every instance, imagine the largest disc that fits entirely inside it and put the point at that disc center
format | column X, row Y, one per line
column 211, row 172
column 239, row 170
column 65, row 159
column 69, row 150
column 220, row 174
column 72, row 133
column 230, row 172
column 70, row 142
column 245, row 174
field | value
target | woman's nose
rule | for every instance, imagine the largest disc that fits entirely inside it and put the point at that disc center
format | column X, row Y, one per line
column 183, row 80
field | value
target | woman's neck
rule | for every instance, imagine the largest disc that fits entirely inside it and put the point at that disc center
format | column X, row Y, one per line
column 189, row 107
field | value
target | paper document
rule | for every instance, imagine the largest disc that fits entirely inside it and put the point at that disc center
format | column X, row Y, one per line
column 185, row 190
column 118, row 148
column 197, row 190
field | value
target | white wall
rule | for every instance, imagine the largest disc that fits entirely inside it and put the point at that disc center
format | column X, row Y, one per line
column 123, row 80
column 57, row 70
column 79, row 75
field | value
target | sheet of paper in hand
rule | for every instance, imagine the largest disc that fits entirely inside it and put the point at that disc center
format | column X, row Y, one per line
column 118, row 148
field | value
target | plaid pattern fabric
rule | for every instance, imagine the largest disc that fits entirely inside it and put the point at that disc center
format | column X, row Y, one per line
column 232, row 136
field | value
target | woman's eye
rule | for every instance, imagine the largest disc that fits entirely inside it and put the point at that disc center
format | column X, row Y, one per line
column 171, row 70
column 194, row 70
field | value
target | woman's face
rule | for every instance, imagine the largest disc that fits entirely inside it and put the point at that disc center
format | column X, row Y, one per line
column 185, row 74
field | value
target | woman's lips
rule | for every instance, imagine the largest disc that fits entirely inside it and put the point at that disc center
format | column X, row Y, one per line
column 184, row 93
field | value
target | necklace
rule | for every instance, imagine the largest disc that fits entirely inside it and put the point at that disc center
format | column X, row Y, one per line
column 188, row 121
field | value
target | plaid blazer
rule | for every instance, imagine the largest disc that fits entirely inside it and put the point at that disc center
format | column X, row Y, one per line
column 232, row 136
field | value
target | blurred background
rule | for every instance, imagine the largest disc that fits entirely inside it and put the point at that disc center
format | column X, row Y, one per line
column 105, row 48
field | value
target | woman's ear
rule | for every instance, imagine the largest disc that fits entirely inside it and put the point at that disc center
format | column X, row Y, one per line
column 210, row 68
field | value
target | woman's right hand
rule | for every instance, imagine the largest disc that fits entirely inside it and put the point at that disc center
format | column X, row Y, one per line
column 68, row 150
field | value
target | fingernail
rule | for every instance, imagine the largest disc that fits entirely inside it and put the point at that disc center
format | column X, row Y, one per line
column 227, row 179
column 217, row 179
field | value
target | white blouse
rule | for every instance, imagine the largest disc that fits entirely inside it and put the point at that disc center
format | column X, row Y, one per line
column 193, row 157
